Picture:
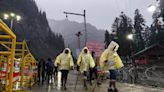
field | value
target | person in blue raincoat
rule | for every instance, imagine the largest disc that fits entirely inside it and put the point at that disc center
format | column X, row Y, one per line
column 50, row 67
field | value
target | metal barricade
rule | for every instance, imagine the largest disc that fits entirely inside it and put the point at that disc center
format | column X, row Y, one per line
column 7, row 54
column 18, row 68
column 27, row 67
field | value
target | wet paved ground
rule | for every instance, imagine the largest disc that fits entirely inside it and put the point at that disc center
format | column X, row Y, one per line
column 123, row 87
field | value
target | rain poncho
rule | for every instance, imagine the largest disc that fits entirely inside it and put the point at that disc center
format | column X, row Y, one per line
column 85, row 60
column 110, row 59
column 64, row 61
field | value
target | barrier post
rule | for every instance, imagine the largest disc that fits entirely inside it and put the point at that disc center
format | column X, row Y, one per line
column 22, row 65
column 12, row 64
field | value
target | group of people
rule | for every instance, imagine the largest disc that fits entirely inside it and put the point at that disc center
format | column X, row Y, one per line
column 109, row 61
column 45, row 70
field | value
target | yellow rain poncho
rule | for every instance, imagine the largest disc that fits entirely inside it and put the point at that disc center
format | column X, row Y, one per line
column 85, row 61
column 64, row 61
column 110, row 54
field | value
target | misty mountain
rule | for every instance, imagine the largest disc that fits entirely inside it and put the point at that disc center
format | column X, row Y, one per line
column 68, row 29
column 33, row 28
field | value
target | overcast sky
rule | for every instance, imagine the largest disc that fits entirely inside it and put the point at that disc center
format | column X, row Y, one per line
column 100, row 13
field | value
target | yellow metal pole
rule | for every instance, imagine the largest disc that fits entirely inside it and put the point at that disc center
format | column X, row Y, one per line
column 11, row 54
column 5, row 37
column 4, row 45
column 7, row 69
column 22, row 65
column 6, row 29
column 5, row 53
column 12, row 64
column 6, row 42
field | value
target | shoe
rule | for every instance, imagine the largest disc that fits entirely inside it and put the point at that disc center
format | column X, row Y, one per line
column 115, row 90
column 85, row 87
column 91, row 83
column 65, row 88
column 98, row 83
column 110, row 90
column 62, row 88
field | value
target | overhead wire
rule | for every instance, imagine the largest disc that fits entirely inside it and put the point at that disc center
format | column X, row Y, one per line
column 129, row 7
column 117, row 9
column 117, row 6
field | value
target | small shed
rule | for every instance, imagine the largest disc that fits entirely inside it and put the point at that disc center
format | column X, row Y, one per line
column 150, row 55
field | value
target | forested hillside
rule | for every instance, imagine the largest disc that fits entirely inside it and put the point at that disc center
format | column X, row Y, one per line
column 33, row 27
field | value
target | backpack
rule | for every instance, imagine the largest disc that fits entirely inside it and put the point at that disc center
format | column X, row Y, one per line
column 50, row 65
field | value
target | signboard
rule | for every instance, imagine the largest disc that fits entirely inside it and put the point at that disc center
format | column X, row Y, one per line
column 97, row 47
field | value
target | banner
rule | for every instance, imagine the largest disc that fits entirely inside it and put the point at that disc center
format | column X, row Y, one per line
column 97, row 47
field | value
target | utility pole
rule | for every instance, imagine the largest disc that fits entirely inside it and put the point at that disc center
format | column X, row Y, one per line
column 78, row 34
column 85, row 27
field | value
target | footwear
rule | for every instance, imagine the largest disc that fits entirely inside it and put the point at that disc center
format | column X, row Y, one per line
column 62, row 87
column 85, row 87
column 110, row 90
column 65, row 88
column 115, row 90
column 91, row 83
column 98, row 83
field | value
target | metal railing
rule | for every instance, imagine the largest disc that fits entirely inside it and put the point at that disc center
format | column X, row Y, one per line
column 18, row 67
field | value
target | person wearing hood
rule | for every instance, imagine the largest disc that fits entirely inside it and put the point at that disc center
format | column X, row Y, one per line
column 64, row 62
column 85, row 61
column 49, row 68
column 110, row 61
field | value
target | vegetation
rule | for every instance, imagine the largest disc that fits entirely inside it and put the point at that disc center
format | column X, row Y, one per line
column 33, row 28
column 143, row 34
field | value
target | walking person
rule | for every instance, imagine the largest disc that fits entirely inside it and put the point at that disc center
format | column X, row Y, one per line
column 43, row 68
column 92, row 71
column 39, row 70
column 55, row 73
column 85, row 61
column 64, row 62
column 111, row 61
column 50, row 68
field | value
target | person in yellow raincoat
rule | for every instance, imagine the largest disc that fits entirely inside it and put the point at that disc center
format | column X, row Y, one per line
column 111, row 61
column 64, row 62
column 85, row 61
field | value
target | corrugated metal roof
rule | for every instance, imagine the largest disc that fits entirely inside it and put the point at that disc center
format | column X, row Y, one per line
column 147, row 49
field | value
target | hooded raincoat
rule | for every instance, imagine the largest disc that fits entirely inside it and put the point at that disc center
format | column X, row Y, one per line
column 64, row 61
column 85, row 60
column 110, row 59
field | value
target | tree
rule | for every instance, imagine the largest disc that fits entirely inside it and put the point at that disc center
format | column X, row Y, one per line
column 157, row 27
column 125, row 29
column 146, row 36
column 107, row 38
column 162, row 8
column 34, row 28
column 157, row 32
column 122, row 26
column 139, row 24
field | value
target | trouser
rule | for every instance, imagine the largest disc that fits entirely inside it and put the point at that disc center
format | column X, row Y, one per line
column 43, row 76
column 49, row 75
column 91, row 72
column 113, row 76
column 55, row 75
column 64, row 77
column 85, row 78
column 38, row 76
